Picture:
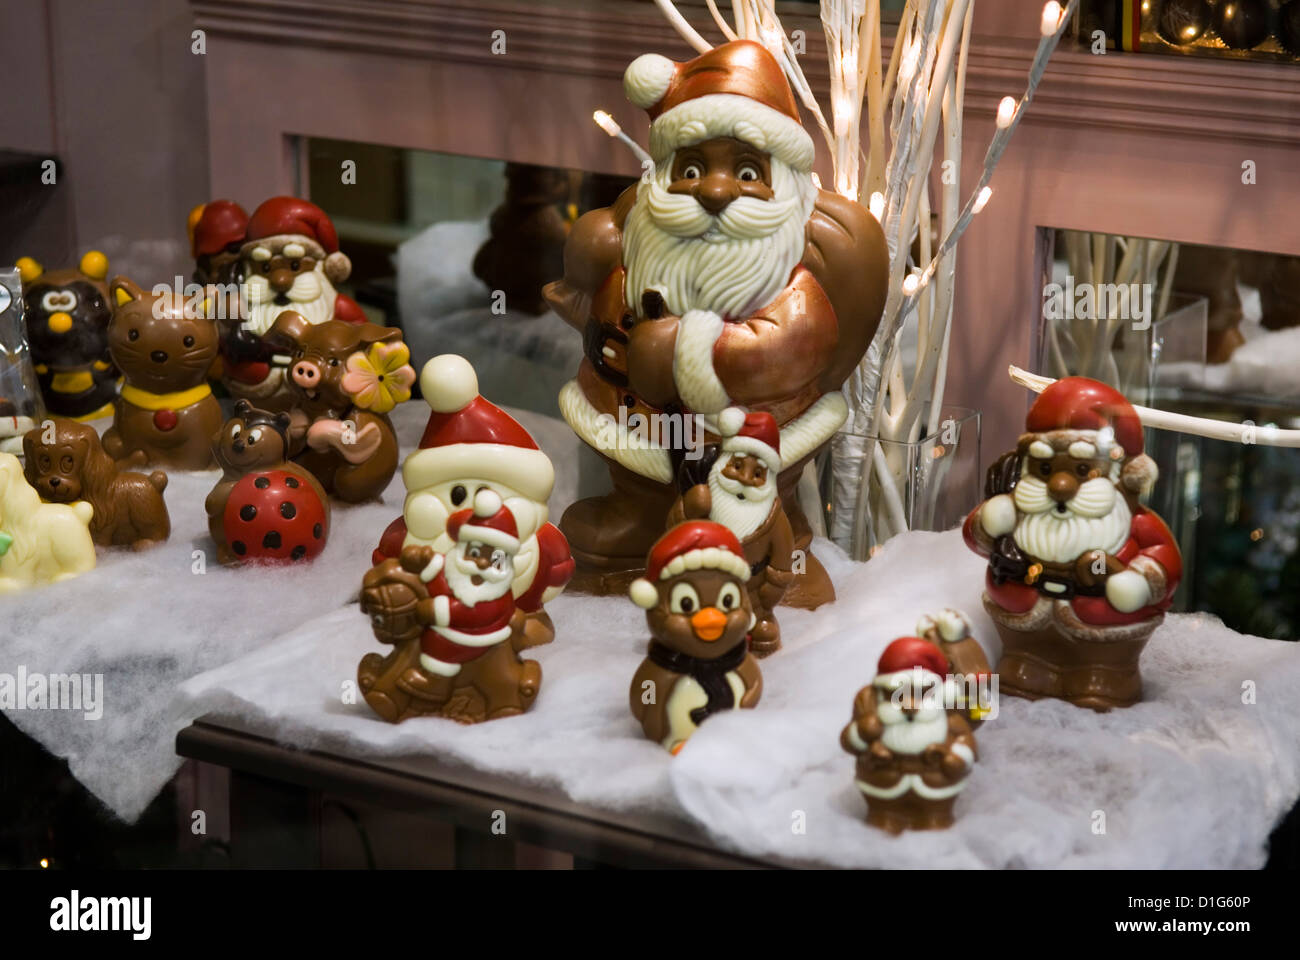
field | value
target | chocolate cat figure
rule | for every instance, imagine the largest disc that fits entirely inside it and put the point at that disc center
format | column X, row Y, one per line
column 263, row 507
column 67, row 314
column 72, row 466
column 353, row 452
column 698, row 611
column 166, row 410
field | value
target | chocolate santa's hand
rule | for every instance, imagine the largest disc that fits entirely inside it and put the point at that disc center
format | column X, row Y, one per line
column 697, row 502
column 415, row 558
column 953, row 766
column 650, row 350
column 1088, row 565
column 933, row 755
column 880, row 754
column 1007, row 561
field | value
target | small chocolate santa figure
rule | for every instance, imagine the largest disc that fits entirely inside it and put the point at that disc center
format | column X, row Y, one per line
column 1080, row 573
column 740, row 493
column 464, row 666
column 698, row 612
column 914, row 755
column 950, row 631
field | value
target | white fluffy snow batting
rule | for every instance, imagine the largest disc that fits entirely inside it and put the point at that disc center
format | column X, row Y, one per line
column 147, row 621
column 1192, row 777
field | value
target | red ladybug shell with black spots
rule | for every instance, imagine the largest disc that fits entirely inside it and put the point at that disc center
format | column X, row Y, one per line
column 275, row 516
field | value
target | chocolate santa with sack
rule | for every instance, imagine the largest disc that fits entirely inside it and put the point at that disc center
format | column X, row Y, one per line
column 470, row 444
column 740, row 493
column 459, row 607
column 1080, row 573
column 914, row 755
column 290, row 260
column 724, row 277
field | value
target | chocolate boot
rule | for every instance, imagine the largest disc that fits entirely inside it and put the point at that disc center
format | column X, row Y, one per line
column 765, row 637
column 610, row 535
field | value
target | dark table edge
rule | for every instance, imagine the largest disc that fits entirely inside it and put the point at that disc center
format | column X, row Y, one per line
column 562, row 825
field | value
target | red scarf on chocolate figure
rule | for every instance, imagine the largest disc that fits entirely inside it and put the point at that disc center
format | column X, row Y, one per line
column 1072, row 505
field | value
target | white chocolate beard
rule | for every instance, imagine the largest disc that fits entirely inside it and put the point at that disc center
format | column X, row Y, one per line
column 312, row 295
column 741, row 517
column 731, row 264
column 1063, row 538
column 468, row 592
column 930, row 726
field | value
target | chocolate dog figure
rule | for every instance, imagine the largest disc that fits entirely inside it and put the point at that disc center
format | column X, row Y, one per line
column 72, row 466
column 166, row 409
column 352, row 452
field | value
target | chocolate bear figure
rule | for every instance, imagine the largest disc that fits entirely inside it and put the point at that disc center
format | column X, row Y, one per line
column 353, row 452
column 129, row 507
column 698, row 611
column 261, row 493
column 67, row 314
column 166, row 410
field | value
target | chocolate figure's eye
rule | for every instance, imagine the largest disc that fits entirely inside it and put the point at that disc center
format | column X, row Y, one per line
column 266, row 266
column 254, row 436
column 692, row 171
column 729, row 596
column 684, row 599
column 66, row 464
column 1083, row 469
column 188, row 341
column 334, row 361
column 1045, row 468
column 235, row 431
column 748, row 173
column 474, row 552
column 458, row 495
column 45, row 463
column 133, row 335
column 294, row 265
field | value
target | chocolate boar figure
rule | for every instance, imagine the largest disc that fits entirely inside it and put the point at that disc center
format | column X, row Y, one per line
column 65, row 462
column 914, row 755
column 263, row 508
column 451, row 619
column 344, row 378
column 166, row 411
column 697, row 608
column 1080, row 573
column 723, row 277
column 67, row 314
column 740, row 493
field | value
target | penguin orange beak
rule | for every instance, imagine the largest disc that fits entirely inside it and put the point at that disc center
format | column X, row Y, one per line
column 60, row 322
column 709, row 623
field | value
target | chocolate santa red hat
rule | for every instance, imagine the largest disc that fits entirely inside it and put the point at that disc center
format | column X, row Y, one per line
column 470, row 438
column 734, row 90
column 215, row 225
column 488, row 521
column 755, row 433
column 1075, row 404
column 905, row 655
column 295, row 219
column 693, row 545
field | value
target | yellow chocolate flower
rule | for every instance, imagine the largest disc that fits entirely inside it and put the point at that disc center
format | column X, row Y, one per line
column 381, row 377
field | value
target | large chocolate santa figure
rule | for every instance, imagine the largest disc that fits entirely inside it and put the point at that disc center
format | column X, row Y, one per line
column 725, row 276
column 1080, row 574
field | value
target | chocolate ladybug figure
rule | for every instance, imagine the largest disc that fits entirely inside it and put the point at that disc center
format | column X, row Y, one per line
column 273, row 515
column 263, row 508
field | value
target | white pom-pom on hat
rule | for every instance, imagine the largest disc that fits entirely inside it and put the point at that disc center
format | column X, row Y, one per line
column 647, row 79
column 486, row 503
column 1139, row 474
column 338, row 267
column 730, row 421
column 448, row 383
column 643, row 593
